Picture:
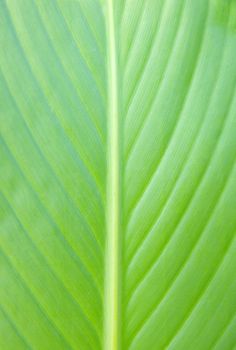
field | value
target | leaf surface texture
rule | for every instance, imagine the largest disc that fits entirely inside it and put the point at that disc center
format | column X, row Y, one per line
column 118, row 177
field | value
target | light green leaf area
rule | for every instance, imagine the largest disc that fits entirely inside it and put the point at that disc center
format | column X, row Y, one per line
column 118, row 176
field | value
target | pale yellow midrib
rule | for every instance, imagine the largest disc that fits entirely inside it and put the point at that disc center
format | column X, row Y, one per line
column 111, row 327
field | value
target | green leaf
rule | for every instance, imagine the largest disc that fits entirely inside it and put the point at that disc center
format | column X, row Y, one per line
column 118, row 177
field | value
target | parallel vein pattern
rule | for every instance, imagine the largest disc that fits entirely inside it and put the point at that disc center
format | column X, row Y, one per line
column 118, row 174
column 179, row 107
column 53, row 158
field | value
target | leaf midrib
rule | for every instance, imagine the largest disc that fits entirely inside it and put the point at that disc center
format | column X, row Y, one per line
column 111, row 312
